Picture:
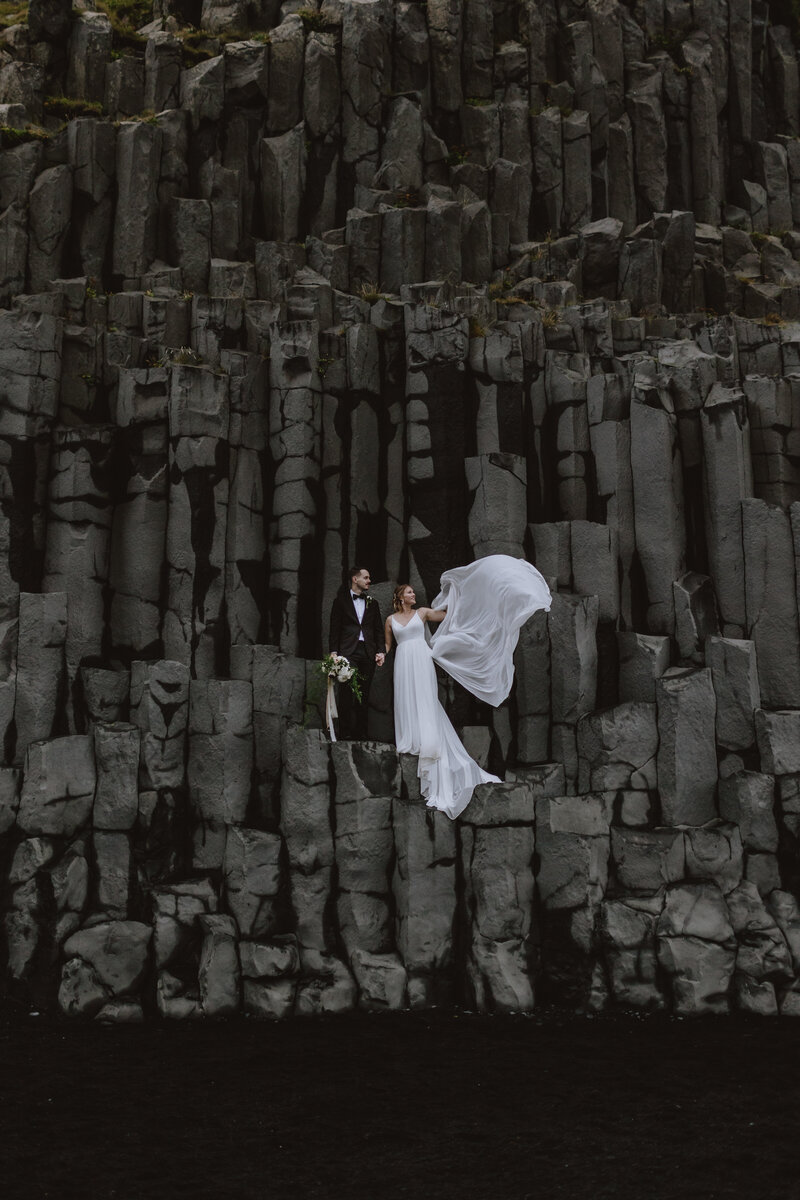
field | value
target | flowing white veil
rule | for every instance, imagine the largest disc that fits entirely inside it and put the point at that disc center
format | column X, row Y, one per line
column 487, row 602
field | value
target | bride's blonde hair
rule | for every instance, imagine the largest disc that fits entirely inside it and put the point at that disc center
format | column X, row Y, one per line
column 397, row 597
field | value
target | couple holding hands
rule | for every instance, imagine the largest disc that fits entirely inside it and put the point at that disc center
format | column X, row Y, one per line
column 478, row 613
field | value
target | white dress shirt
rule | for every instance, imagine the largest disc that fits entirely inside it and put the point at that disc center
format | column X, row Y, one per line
column 360, row 605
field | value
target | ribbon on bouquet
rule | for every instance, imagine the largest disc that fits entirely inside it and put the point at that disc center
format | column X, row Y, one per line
column 331, row 710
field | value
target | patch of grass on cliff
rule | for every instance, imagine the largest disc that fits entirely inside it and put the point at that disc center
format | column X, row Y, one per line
column 68, row 108
column 10, row 137
column 126, row 16
column 313, row 19
column 199, row 45
column 12, row 13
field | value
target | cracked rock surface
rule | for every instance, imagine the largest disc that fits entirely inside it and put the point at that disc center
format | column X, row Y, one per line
column 404, row 285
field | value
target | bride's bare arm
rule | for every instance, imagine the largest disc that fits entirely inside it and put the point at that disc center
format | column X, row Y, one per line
column 387, row 633
column 435, row 615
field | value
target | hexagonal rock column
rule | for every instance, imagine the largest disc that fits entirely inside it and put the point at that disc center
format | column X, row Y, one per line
column 424, row 886
column 198, row 504
column 728, row 479
column 50, row 209
column 139, row 530
column 642, row 660
column 778, row 743
column 92, row 153
column 497, row 842
column 252, row 872
column 78, row 535
column 283, row 164
column 220, row 762
column 497, row 366
column 572, row 853
column 367, row 777
column 437, row 344
column 498, row 513
column 366, row 59
column 30, row 361
column 40, row 665
column 218, row 974
column 245, row 542
column 322, row 113
column 116, row 799
column 658, row 497
column 532, row 690
column 58, row 786
column 113, row 874
column 772, row 602
column 362, row 398
column 734, row 674
column 566, row 381
column 160, row 708
column 325, row 985
column 295, row 430
column 697, row 948
column 402, row 248
column 572, row 623
column 594, row 550
column 136, row 217
column 306, row 828
column 687, row 757
column 279, row 692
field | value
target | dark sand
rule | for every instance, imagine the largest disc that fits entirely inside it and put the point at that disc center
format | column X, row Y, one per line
column 383, row 1106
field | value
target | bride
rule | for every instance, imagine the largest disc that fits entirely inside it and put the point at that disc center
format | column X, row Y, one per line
column 479, row 612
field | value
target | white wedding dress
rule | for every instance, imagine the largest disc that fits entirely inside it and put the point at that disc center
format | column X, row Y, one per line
column 486, row 603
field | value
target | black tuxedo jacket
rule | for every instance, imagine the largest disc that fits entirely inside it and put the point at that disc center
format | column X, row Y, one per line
column 345, row 628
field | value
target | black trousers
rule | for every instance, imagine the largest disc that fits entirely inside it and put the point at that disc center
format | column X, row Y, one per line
column 353, row 715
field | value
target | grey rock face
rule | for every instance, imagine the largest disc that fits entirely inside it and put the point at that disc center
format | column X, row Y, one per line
column 424, row 888
column 366, row 776
column 58, row 787
column 496, row 859
column 403, row 285
column 160, row 708
column 687, row 771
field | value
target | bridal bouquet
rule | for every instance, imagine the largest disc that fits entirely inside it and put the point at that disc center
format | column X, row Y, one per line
column 338, row 669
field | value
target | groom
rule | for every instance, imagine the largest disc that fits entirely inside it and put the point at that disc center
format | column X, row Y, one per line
column 357, row 633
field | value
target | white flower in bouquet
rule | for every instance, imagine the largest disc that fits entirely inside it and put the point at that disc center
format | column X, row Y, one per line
column 338, row 669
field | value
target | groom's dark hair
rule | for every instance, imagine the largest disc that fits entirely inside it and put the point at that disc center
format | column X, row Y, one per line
column 355, row 571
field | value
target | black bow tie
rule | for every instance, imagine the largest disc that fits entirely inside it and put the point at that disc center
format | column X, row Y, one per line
column 356, row 596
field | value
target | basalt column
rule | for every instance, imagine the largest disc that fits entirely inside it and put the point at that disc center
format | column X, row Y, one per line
column 78, row 537
column 194, row 629
column 245, row 545
column 295, row 427
column 436, row 444
column 138, row 539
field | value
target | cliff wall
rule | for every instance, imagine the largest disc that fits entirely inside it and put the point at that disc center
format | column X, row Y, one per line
column 408, row 284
